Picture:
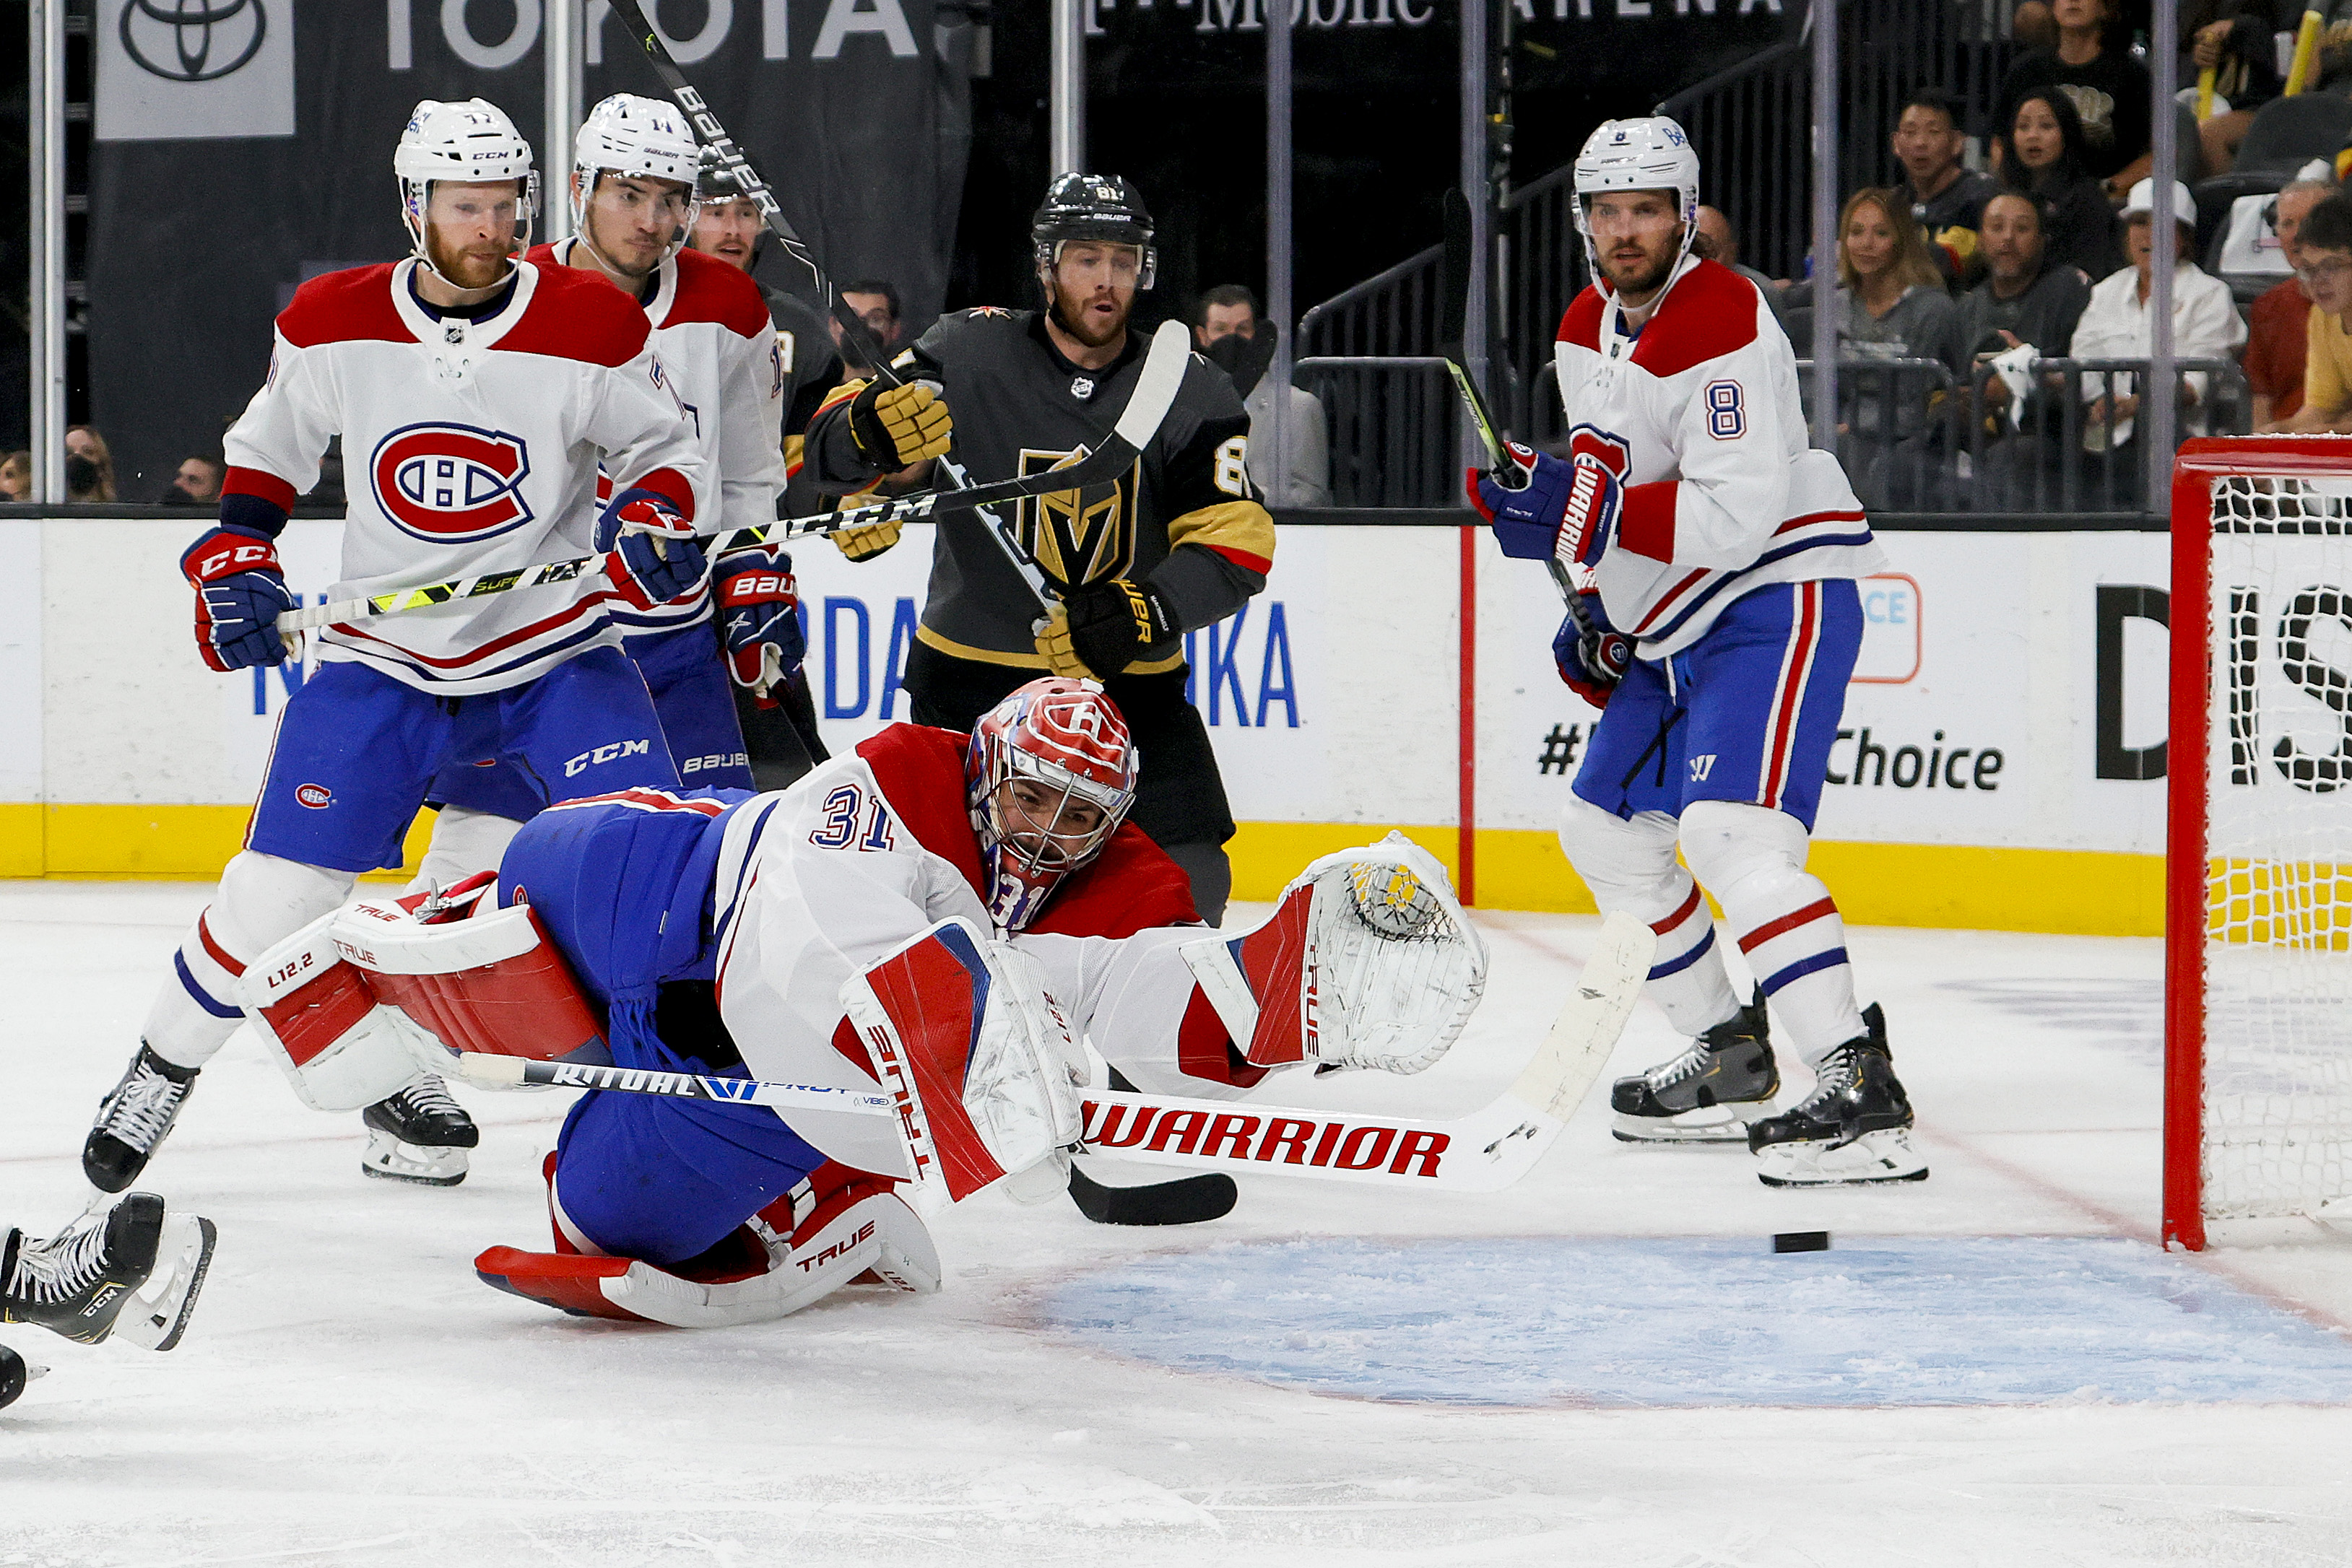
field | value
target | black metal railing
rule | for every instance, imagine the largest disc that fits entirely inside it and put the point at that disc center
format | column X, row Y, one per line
column 1394, row 428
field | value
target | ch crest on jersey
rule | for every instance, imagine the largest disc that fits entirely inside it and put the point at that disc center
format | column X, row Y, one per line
column 451, row 484
column 1077, row 535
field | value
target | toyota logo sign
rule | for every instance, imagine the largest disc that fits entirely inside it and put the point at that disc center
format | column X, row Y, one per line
column 193, row 40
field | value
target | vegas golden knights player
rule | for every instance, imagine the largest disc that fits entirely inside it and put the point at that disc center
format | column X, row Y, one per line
column 1181, row 540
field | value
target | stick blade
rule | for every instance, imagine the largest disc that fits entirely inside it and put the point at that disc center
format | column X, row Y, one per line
column 1155, row 389
column 1586, row 1031
column 1187, row 1200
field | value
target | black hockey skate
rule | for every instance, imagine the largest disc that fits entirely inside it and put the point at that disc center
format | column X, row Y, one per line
column 1710, row 1093
column 135, row 1270
column 133, row 1119
column 1854, row 1128
column 420, row 1135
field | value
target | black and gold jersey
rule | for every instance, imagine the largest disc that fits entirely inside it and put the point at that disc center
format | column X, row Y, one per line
column 1185, row 517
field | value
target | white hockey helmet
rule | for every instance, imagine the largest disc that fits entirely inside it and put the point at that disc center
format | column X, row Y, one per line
column 630, row 135
column 469, row 140
column 1651, row 154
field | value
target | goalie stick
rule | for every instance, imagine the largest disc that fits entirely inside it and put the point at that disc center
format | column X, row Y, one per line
column 1455, row 312
column 1485, row 1151
column 1146, row 405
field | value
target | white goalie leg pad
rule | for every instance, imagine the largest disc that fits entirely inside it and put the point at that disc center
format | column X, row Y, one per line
column 464, row 841
column 980, row 1056
column 1367, row 961
column 877, row 1233
column 1886, row 1154
column 314, row 1009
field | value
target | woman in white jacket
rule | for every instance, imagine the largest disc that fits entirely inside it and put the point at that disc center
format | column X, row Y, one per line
column 2117, row 323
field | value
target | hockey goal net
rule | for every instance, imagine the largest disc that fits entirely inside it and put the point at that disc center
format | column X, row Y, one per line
column 2258, row 924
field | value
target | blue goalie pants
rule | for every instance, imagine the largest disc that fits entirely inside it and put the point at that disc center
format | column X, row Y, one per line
column 622, row 887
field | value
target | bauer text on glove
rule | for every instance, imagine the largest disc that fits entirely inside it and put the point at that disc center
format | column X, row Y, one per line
column 240, row 593
column 1106, row 626
column 758, row 613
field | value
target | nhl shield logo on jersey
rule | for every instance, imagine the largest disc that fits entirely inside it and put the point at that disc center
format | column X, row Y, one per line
column 451, row 484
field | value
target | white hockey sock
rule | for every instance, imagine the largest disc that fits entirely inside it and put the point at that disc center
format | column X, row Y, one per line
column 1752, row 859
column 464, row 841
column 261, row 899
column 1630, row 865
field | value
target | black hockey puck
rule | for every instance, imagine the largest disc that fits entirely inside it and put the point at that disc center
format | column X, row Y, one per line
column 1802, row 1241
column 12, row 1375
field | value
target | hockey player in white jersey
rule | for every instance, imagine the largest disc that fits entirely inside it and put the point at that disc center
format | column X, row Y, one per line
column 632, row 194
column 474, row 392
column 1725, row 623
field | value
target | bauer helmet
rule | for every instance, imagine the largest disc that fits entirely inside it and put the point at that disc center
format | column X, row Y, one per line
column 635, row 137
column 468, row 141
column 1101, row 208
column 1646, row 154
column 1068, row 737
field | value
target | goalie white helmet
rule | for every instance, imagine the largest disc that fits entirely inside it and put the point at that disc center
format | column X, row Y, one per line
column 467, row 142
column 1651, row 153
column 635, row 137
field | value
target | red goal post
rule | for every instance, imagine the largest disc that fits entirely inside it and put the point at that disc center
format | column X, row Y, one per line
column 2258, row 908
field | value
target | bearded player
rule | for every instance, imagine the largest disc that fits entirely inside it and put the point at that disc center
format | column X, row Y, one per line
column 1725, row 625
column 633, row 206
column 1181, row 540
column 475, row 393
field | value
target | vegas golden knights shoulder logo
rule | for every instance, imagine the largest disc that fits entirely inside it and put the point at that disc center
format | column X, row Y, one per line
column 1077, row 537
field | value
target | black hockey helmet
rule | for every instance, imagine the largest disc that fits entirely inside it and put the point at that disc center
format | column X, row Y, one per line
column 1102, row 207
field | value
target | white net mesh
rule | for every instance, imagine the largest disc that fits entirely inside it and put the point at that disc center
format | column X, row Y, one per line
column 2277, row 1133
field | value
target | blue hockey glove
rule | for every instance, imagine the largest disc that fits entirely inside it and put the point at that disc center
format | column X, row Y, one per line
column 1544, row 508
column 1591, row 663
column 654, row 556
column 240, row 593
column 759, row 609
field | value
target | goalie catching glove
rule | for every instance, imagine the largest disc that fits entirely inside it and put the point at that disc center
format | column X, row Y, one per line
column 1103, row 627
column 1546, row 509
column 895, row 426
column 1367, row 961
column 240, row 593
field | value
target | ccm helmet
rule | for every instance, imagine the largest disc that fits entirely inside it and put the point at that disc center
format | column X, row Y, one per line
column 1647, row 154
column 1067, row 737
column 466, row 142
column 1101, row 208
column 635, row 137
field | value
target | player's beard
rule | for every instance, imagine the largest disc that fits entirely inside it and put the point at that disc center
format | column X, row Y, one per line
column 1651, row 275
column 1092, row 338
column 470, row 269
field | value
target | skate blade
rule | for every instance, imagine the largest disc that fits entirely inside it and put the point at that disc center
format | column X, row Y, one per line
column 1708, row 1124
column 157, row 1313
column 390, row 1159
column 1886, row 1155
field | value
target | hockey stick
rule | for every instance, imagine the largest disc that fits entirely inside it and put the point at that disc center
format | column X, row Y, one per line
column 1485, row 1151
column 1455, row 312
column 1187, row 1200
column 856, row 334
column 1146, row 405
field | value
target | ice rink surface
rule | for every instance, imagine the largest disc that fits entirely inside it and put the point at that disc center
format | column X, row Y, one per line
column 1604, row 1365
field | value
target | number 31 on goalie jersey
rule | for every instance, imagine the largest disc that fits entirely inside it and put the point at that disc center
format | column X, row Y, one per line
column 842, row 810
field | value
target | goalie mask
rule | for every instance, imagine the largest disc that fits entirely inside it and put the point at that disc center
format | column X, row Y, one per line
column 1646, row 154
column 1048, row 776
column 635, row 137
column 467, row 143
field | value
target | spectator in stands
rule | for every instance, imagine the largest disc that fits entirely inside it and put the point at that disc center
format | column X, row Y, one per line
column 1718, row 241
column 876, row 304
column 2322, row 265
column 16, row 477
column 1891, row 306
column 2032, row 26
column 2334, row 63
column 2094, row 67
column 1945, row 199
column 90, row 466
column 2042, row 156
column 196, row 484
column 2024, row 310
column 2280, row 321
column 1237, row 340
column 2231, row 39
column 2115, row 324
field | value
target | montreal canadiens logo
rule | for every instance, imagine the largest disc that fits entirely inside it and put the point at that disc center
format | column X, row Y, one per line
column 315, row 796
column 451, row 484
